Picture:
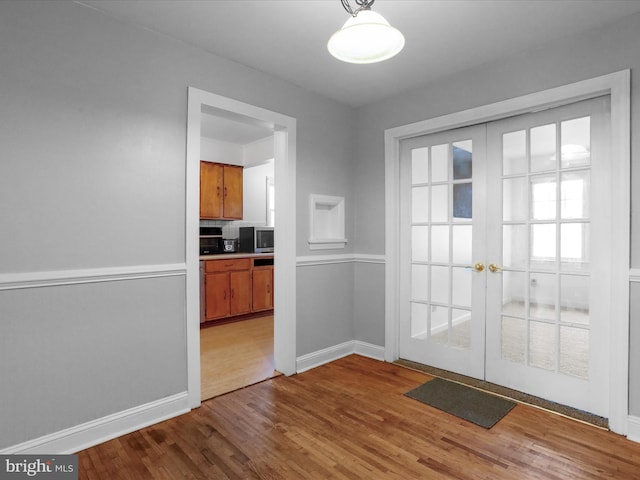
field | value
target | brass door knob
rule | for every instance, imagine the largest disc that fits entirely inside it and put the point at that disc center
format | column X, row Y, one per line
column 478, row 267
column 494, row 268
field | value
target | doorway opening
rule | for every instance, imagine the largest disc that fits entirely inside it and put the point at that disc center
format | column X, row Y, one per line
column 283, row 129
column 236, row 334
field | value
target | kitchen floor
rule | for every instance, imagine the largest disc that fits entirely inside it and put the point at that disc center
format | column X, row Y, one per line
column 235, row 355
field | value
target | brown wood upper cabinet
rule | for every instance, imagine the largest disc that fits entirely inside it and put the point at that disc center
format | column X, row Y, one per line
column 220, row 191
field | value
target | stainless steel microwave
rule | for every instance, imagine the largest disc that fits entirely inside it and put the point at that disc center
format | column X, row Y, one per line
column 256, row 239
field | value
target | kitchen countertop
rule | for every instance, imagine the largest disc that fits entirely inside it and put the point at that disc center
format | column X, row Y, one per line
column 222, row 256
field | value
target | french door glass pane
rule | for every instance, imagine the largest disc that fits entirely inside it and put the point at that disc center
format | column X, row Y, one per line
column 574, row 351
column 543, row 197
column 462, row 238
column 440, row 163
column 440, row 284
column 515, row 204
column 543, row 244
column 439, row 324
column 515, row 253
column 461, row 290
column 514, row 152
column 419, row 319
column 420, row 282
column 462, row 201
column 440, row 244
column 460, row 328
column 574, row 247
column 440, row 203
column 420, row 243
column 542, row 345
column 514, row 293
column 462, row 160
column 419, row 165
column 542, row 295
column 420, row 204
column 574, row 291
column 576, row 142
column 543, row 148
column 514, row 339
column 574, row 195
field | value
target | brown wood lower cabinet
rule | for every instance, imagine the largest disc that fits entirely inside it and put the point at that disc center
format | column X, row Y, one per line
column 262, row 283
column 237, row 286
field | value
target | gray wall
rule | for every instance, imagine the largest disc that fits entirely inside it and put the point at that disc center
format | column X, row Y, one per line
column 598, row 52
column 70, row 354
column 92, row 174
column 327, row 308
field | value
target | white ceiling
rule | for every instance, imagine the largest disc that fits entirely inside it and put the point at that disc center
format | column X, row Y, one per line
column 287, row 38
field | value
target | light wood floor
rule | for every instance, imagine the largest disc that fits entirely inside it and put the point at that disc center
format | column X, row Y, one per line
column 234, row 355
column 349, row 420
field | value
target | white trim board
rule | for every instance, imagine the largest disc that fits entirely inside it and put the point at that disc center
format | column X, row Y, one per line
column 335, row 352
column 619, row 87
column 97, row 431
column 633, row 431
column 284, row 138
column 634, row 275
column 13, row 281
column 341, row 258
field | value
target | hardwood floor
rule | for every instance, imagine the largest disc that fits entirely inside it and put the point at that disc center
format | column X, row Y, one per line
column 350, row 420
column 234, row 355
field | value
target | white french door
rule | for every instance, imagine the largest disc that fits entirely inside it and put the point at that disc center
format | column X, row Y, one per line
column 501, row 226
column 442, row 225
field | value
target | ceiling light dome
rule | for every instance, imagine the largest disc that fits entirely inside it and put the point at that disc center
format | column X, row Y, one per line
column 365, row 38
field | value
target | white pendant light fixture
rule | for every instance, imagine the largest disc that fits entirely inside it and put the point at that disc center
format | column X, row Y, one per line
column 366, row 37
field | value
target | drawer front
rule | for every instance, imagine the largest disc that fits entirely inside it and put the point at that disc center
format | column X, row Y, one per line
column 227, row 265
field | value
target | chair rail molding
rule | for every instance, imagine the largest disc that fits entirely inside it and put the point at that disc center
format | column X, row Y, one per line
column 14, row 281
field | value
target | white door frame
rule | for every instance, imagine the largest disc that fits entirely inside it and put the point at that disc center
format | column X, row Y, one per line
column 285, row 231
column 618, row 86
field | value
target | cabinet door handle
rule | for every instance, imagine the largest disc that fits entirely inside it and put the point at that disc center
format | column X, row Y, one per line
column 218, row 191
column 232, row 294
column 225, row 191
column 225, row 295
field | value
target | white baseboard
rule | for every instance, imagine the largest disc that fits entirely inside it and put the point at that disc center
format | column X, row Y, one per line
column 326, row 355
column 369, row 350
column 74, row 439
column 633, row 428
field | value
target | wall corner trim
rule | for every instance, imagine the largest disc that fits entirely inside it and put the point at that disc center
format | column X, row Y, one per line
column 335, row 352
column 97, row 431
column 633, row 428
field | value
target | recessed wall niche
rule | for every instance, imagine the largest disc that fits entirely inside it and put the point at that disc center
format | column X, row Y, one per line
column 326, row 222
